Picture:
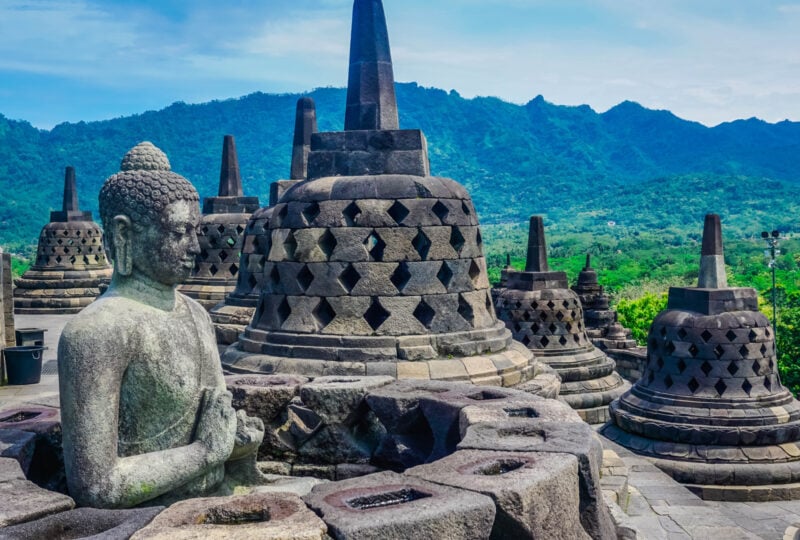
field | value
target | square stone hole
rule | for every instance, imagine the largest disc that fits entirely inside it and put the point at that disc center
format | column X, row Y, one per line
column 390, row 498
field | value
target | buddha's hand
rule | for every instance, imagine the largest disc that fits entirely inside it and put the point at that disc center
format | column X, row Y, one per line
column 249, row 434
column 216, row 429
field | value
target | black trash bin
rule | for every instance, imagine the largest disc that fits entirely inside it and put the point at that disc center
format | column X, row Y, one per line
column 23, row 364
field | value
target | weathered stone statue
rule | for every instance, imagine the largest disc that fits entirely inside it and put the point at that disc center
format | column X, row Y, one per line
column 146, row 416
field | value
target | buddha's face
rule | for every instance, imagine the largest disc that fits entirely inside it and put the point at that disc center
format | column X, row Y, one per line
column 165, row 251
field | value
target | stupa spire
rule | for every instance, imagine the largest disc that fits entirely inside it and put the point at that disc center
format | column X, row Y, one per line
column 537, row 247
column 305, row 125
column 712, row 259
column 371, row 101
column 70, row 192
column 230, row 179
column 588, row 262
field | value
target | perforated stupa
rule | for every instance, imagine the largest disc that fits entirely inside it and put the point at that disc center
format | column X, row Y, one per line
column 221, row 234
column 373, row 265
column 70, row 261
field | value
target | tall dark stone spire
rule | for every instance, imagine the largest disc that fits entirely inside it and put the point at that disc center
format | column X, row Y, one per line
column 537, row 247
column 371, row 102
column 712, row 260
column 230, row 180
column 305, row 125
column 70, row 192
column 588, row 262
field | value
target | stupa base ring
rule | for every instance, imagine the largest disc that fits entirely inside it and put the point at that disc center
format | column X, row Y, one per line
column 510, row 367
column 722, row 473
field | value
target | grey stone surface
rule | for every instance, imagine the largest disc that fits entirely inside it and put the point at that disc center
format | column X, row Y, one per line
column 712, row 260
column 22, row 500
column 532, row 435
column 305, row 125
column 388, row 506
column 144, row 407
column 84, row 523
column 18, row 445
column 536, row 495
column 271, row 516
column 537, row 247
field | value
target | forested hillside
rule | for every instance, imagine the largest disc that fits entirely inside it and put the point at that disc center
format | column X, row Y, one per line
column 640, row 169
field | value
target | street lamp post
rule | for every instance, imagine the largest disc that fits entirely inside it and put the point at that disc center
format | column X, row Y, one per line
column 771, row 253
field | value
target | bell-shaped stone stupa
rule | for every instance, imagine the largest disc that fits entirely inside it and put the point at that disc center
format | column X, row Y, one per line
column 710, row 407
column 543, row 313
column 235, row 313
column 221, row 234
column 70, row 261
column 375, row 267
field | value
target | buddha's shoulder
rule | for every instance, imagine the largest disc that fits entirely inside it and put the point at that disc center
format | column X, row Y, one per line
column 109, row 315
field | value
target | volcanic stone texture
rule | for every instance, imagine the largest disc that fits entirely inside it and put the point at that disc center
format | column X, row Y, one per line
column 269, row 516
column 547, row 317
column 231, row 316
column 390, row 506
column 84, row 523
column 710, row 405
column 24, row 501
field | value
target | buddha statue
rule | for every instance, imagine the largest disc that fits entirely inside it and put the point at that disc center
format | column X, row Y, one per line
column 145, row 412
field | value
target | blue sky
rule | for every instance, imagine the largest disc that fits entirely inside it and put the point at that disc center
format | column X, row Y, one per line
column 706, row 60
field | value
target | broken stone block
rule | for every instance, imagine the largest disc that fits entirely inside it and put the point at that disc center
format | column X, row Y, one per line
column 390, row 506
column 536, row 494
column 24, row 501
column 266, row 516
column 83, row 523
column 47, row 463
column 533, row 435
column 340, row 400
column 18, row 445
column 263, row 396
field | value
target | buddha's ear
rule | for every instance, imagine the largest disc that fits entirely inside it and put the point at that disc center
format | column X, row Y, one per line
column 122, row 230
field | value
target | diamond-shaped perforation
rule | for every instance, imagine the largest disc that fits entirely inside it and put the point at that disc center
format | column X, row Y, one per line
column 693, row 385
column 327, row 243
column 290, row 246
column 275, row 276
column 706, row 335
column 757, row 367
column 445, row 275
column 349, row 278
column 768, row 384
column 311, row 212
column 323, row 313
column 560, row 315
column 441, row 211
column 351, row 214
column 747, row 387
column 401, row 276
column 223, row 255
column 527, row 315
column 375, row 246
column 398, row 212
column 479, row 238
column 305, row 278
column 744, row 351
column 234, row 269
column 465, row 309
column 668, row 382
column 720, row 387
column 422, row 244
column 284, row 311
column 545, row 342
column 231, row 241
column 731, row 335
column 670, row 347
column 562, row 340
column 651, row 377
column 706, row 368
column 535, row 328
column 682, row 334
column 424, row 314
column 693, row 350
column 457, row 240
column 474, row 271
column 719, row 351
column 733, row 368
column 376, row 315
column 681, row 366
column 465, row 208
column 660, row 363
column 752, row 336
column 213, row 269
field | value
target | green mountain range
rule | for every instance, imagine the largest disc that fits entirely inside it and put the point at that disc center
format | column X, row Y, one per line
column 627, row 171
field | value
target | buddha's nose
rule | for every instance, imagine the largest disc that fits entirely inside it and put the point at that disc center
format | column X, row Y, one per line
column 194, row 245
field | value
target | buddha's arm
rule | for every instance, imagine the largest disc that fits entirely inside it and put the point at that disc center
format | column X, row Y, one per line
column 91, row 372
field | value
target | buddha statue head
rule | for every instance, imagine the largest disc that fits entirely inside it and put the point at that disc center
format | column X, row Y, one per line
column 150, row 215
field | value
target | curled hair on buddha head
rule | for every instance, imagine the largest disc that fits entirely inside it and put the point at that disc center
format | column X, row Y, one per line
column 142, row 189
